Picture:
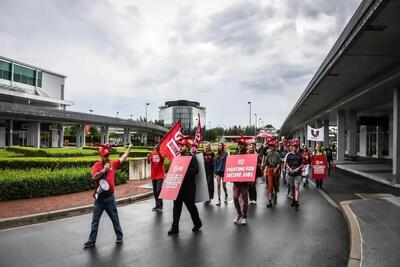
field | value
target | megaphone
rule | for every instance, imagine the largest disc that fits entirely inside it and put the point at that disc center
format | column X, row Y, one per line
column 103, row 186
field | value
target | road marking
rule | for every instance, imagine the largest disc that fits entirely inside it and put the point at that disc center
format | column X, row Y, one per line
column 328, row 198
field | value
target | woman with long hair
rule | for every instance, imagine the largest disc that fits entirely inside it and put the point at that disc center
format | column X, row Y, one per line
column 219, row 168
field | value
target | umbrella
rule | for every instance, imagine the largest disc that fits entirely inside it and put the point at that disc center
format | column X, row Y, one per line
column 264, row 135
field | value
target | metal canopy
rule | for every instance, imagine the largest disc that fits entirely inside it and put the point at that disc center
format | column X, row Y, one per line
column 361, row 69
column 28, row 112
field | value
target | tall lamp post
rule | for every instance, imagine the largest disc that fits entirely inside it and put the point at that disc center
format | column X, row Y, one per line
column 255, row 124
column 147, row 104
column 249, row 113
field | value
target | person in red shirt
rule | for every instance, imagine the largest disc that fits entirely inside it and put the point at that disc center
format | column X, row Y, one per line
column 105, row 170
column 157, row 175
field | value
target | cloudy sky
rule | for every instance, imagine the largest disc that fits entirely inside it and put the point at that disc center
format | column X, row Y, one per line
column 118, row 55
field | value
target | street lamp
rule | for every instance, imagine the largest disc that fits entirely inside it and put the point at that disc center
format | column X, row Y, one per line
column 117, row 113
column 131, row 117
column 147, row 104
column 91, row 111
column 249, row 113
column 255, row 124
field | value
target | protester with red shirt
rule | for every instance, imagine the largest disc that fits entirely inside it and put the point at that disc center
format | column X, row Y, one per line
column 105, row 169
column 157, row 175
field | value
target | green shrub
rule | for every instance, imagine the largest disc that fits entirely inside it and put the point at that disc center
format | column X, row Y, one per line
column 52, row 163
column 51, row 152
column 9, row 154
column 19, row 184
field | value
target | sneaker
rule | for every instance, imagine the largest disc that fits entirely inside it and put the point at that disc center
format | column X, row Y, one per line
column 218, row 202
column 207, row 202
column 159, row 209
column 293, row 204
column 155, row 208
column 89, row 244
column 226, row 199
column 237, row 219
column 119, row 241
column 275, row 198
column 196, row 228
column 173, row 231
column 244, row 221
column 269, row 205
column 297, row 205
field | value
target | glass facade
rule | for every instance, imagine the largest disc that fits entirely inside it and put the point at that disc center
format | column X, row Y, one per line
column 5, row 70
column 24, row 75
column 39, row 81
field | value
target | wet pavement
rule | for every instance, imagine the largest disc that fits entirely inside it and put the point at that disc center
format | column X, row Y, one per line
column 316, row 235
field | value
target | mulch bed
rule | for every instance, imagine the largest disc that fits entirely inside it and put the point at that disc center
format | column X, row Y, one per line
column 15, row 208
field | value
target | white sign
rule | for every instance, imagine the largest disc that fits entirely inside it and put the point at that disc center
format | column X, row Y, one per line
column 315, row 134
column 201, row 181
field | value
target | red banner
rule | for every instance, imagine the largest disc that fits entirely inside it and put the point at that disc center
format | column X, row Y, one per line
column 241, row 168
column 198, row 137
column 173, row 182
column 168, row 145
column 318, row 166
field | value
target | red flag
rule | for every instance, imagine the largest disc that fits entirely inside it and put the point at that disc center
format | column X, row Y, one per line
column 168, row 145
column 198, row 137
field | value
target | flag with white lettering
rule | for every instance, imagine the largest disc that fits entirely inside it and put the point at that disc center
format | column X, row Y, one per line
column 315, row 134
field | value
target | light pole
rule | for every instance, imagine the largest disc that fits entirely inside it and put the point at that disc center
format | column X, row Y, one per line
column 91, row 111
column 260, row 123
column 249, row 113
column 255, row 124
column 147, row 104
column 117, row 113
column 131, row 117
column 209, row 124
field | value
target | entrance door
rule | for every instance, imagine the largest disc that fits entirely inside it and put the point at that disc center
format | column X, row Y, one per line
column 22, row 138
column 371, row 144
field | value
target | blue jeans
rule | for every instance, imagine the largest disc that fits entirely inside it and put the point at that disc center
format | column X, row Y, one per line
column 107, row 204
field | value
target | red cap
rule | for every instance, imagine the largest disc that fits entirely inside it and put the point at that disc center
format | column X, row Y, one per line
column 295, row 142
column 241, row 140
column 271, row 142
column 104, row 150
column 185, row 140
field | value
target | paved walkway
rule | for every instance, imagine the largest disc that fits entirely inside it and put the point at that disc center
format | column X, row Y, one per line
column 316, row 235
column 380, row 171
column 15, row 208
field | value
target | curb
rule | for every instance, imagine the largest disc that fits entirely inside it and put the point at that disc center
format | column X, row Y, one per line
column 355, row 256
column 65, row 213
column 371, row 177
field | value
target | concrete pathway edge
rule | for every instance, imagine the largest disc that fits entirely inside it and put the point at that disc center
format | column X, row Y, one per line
column 60, row 214
column 355, row 256
column 369, row 176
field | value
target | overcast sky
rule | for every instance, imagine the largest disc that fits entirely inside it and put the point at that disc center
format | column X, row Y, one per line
column 118, row 55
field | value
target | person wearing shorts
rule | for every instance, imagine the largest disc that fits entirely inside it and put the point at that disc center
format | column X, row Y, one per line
column 219, row 168
column 294, row 165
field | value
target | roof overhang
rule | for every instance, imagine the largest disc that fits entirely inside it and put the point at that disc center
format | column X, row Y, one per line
column 359, row 72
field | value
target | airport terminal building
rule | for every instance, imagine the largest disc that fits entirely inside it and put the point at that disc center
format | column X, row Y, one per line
column 185, row 110
column 357, row 88
column 25, row 84
column 33, row 110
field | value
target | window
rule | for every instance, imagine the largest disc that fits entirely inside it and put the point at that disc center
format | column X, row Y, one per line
column 5, row 70
column 39, row 81
column 24, row 75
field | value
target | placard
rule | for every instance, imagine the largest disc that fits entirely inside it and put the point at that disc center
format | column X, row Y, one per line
column 201, row 181
column 318, row 166
column 173, row 181
column 241, row 168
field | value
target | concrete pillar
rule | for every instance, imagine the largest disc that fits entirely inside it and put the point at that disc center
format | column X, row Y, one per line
column 396, row 131
column 35, row 131
column 144, row 138
column 10, row 137
column 326, row 133
column 391, row 136
column 80, row 136
column 379, row 141
column 340, row 122
column 363, row 140
column 61, row 139
column 104, row 135
column 2, row 136
column 127, row 136
column 302, row 136
column 352, row 133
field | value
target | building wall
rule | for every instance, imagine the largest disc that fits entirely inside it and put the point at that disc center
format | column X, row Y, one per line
column 51, row 85
column 187, row 114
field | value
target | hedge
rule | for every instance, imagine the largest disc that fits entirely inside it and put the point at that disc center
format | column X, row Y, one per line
column 19, row 184
column 51, row 163
column 51, row 152
column 9, row 154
